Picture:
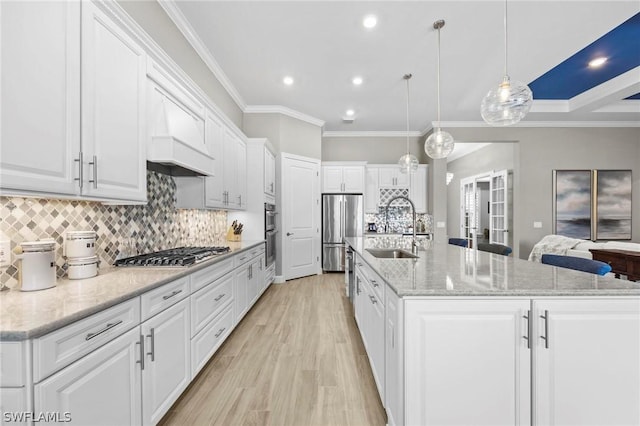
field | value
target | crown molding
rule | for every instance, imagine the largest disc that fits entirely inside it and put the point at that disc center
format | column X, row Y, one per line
column 178, row 18
column 371, row 134
column 279, row 109
column 524, row 124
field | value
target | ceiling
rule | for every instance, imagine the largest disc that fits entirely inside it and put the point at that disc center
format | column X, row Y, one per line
column 252, row 45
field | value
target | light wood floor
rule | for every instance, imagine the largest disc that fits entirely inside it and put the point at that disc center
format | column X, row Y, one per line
column 295, row 359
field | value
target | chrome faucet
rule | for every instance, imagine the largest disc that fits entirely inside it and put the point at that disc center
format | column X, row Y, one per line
column 414, row 243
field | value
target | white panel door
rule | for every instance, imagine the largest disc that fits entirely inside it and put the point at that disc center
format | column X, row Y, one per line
column 499, row 208
column 353, row 179
column 300, row 216
column 332, row 179
column 590, row 372
column 103, row 388
column 214, row 139
column 40, row 96
column 467, row 362
column 241, row 292
column 113, row 109
column 167, row 371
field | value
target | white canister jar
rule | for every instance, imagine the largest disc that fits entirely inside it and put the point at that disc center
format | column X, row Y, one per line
column 37, row 270
column 81, row 268
column 79, row 244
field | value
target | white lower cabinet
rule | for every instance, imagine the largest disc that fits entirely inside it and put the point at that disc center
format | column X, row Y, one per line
column 13, row 403
column 207, row 341
column 102, row 388
column 500, row 361
column 466, row 362
column 370, row 316
column 241, row 292
column 589, row 372
column 166, row 371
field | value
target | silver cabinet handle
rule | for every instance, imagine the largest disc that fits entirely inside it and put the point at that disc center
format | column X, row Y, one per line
column 219, row 297
column 220, row 331
column 169, row 296
column 153, row 344
column 239, row 200
column 94, row 163
column 106, row 328
column 80, row 177
column 527, row 316
column 141, row 343
column 373, row 300
column 545, row 317
column 289, row 234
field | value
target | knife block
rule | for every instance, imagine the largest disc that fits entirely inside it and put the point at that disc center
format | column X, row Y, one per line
column 233, row 237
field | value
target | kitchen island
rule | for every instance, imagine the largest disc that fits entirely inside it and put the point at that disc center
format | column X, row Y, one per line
column 458, row 336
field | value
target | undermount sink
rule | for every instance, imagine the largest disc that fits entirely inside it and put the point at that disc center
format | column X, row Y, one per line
column 392, row 254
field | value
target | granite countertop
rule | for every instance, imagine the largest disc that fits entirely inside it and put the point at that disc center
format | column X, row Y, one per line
column 25, row 315
column 447, row 270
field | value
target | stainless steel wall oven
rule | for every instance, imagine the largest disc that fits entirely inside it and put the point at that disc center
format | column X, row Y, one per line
column 270, row 231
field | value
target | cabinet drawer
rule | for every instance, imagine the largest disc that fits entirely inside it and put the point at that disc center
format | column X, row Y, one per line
column 270, row 274
column 210, row 274
column 208, row 302
column 205, row 343
column 247, row 255
column 376, row 283
column 12, row 366
column 61, row 347
column 156, row 301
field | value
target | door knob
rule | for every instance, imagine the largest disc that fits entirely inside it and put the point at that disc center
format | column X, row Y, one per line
column 289, row 233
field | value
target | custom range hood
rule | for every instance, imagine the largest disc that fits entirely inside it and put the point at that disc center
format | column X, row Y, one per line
column 176, row 144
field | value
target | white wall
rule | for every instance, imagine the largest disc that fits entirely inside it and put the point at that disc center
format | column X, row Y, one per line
column 153, row 19
column 375, row 150
column 285, row 133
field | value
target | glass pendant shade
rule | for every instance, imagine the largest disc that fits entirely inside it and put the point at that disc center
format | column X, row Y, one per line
column 439, row 144
column 408, row 163
column 507, row 103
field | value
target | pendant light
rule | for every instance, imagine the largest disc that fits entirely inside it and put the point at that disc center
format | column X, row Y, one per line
column 439, row 144
column 408, row 163
column 510, row 101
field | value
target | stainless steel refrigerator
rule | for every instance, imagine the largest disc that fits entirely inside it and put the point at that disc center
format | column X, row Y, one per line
column 342, row 216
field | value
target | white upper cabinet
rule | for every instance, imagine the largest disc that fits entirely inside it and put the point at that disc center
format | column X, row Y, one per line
column 214, row 136
column 113, row 109
column 53, row 141
column 418, row 188
column 234, row 173
column 391, row 177
column 40, row 97
column 372, row 191
column 269, row 173
column 343, row 178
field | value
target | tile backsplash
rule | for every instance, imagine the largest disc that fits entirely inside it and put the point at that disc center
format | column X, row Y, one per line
column 157, row 225
column 400, row 220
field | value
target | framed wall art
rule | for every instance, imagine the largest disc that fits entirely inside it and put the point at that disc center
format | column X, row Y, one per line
column 572, row 202
column 612, row 204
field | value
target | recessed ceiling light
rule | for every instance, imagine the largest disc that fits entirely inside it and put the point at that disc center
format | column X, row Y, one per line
column 357, row 81
column 288, row 80
column 370, row 21
column 597, row 62
column 350, row 113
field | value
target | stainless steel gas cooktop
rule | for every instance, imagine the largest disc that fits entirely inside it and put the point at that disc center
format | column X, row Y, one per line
column 181, row 256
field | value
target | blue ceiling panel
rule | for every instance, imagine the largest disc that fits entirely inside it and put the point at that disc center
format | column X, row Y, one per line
column 573, row 76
